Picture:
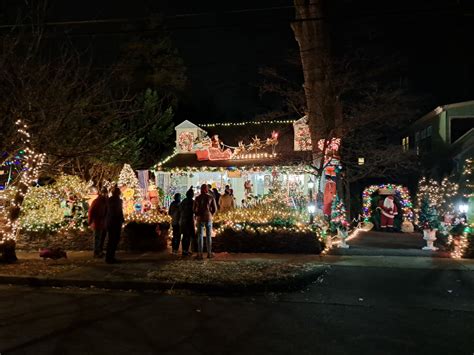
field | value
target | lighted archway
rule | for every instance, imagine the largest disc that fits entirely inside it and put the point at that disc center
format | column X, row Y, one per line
column 402, row 192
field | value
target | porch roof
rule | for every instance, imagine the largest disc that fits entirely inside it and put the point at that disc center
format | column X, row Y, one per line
column 189, row 160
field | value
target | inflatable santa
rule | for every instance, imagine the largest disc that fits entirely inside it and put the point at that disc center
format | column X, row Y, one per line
column 388, row 212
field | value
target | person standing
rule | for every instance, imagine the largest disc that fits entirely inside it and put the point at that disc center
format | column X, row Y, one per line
column 114, row 224
column 186, row 222
column 217, row 196
column 227, row 202
column 204, row 208
column 97, row 221
column 173, row 211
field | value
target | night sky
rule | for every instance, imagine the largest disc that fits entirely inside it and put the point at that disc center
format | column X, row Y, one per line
column 224, row 44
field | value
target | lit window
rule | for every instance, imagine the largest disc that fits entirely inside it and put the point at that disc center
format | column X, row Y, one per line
column 406, row 143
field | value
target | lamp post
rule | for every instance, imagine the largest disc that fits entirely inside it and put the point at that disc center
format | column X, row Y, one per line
column 463, row 208
column 311, row 206
column 311, row 210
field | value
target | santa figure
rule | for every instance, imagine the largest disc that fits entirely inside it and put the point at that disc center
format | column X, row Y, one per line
column 216, row 142
column 388, row 212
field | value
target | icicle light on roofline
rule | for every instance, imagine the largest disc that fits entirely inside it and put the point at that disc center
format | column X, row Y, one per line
column 233, row 124
column 254, row 156
column 168, row 158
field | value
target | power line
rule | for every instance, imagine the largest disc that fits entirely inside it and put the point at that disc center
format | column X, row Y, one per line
column 239, row 11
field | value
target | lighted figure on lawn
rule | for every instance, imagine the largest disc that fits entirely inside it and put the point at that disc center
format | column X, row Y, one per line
column 388, row 212
column 374, row 198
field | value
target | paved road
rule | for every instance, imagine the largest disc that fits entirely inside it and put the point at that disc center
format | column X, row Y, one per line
column 351, row 310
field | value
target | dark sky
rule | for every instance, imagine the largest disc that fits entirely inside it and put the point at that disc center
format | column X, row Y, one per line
column 224, row 44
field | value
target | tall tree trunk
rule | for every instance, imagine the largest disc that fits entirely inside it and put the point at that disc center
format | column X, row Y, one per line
column 311, row 33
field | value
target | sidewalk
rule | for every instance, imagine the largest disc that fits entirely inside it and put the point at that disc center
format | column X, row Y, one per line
column 225, row 273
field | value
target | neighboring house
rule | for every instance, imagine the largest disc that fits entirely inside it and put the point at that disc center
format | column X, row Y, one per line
column 443, row 138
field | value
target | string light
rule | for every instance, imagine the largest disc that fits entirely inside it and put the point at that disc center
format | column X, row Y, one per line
column 281, row 169
column 33, row 163
column 151, row 217
column 404, row 194
column 468, row 186
column 237, row 124
column 50, row 208
column 460, row 246
column 441, row 195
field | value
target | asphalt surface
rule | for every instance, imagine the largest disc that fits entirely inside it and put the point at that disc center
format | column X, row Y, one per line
column 349, row 310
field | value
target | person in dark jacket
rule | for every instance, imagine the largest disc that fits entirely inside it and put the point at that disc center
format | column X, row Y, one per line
column 114, row 224
column 217, row 196
column 204, row 208
column 186, row 223
column 173, row 211
column 97, row 222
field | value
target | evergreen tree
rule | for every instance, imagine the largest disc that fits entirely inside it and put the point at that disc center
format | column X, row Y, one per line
column 428, row 217
column 338, row 216
column 127, row 178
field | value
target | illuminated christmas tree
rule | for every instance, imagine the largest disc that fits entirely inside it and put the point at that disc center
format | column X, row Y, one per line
column 131, row 192
column 128, row 179
column 338, row 216
column 428, row 217
column 441, row 195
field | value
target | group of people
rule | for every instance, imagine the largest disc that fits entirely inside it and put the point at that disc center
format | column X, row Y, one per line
column 105, row 217
column 188, row 213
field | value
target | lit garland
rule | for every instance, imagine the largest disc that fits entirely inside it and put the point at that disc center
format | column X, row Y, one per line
column 283, row 169
column 407, row 205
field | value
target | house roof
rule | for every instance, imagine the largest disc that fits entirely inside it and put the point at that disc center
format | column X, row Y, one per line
column 436, row 111
column 186, row 124
column 232, row 133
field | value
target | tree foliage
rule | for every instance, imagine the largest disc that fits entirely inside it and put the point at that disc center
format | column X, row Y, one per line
column 151, row 61
column 75, row 114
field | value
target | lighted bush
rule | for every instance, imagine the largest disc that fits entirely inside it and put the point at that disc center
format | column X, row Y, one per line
column 62, row 204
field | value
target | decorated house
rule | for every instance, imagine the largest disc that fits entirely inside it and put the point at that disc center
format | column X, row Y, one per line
column 250, row 157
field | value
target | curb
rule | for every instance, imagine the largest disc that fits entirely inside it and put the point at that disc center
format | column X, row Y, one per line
column 278, row 285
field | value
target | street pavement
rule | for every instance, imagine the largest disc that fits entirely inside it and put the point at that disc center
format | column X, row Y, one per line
column 395, row 307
